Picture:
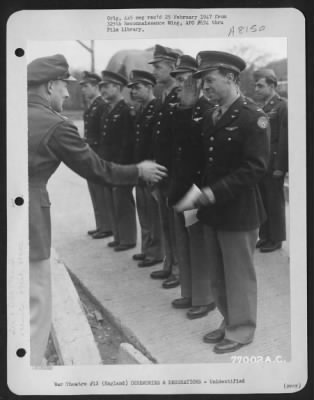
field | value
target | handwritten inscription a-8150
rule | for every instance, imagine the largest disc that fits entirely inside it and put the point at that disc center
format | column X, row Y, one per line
column 241, row 29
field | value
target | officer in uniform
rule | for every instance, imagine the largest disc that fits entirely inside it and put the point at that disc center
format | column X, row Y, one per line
column 163, row 63
column 92, row 115
column 141, row 85
column 236, row 146
column 185, row 170
column 117, row 145
column 273, row 230
column 53, row 139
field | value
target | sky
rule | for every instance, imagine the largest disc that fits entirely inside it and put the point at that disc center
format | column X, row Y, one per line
column 78, row 58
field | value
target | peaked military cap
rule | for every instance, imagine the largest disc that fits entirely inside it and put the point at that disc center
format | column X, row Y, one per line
column 113, row 77
column 51, row 68
column 162, row 53
column 184, row 63
column 211, row 60
column 139, row 76
column 266, row 73
column 90, row 77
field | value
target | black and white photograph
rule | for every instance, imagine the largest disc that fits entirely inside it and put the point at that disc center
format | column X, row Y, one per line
column 163, row 243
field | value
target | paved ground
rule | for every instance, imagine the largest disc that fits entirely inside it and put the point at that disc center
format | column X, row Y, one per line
column 140, row 304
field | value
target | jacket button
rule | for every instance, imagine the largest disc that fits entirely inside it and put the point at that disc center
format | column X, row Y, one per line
column 158, row 123
column 137, row 132
column 229, row 139
column 210, row 159
column 158, row 132
column 212, row 138
column 211, row 149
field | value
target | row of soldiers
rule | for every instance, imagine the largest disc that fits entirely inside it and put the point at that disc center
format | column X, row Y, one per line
column 208, row 134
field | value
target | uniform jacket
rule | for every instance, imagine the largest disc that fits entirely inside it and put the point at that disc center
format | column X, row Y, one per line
column 161, row 136
column 53, row 139
column 92, row 122
column 117, row 134
column 236, row 157
column 144, row 122
column 277, row 111
column 187, row 153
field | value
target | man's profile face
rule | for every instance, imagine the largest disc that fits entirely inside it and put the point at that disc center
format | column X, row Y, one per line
column 262, row 89
column 186, row 85
column 58, row 94
column 162, row 71
column 140, row 92
column 215, row 85
column 109, row 91
column 89, row 90
column 181, row 79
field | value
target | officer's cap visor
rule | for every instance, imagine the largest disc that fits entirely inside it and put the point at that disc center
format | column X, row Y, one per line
column 182, row 71
column 70, row 78
column 199, row 74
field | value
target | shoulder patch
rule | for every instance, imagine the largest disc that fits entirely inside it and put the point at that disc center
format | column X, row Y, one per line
column 262, row 122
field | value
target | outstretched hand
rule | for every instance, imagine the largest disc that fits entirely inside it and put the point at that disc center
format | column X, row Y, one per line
column 151, row 172
column 190, row 92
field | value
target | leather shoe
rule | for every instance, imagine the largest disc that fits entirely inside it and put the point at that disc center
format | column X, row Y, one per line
column 101, row 235
column 122, row 247
column 260, row 243
column 114, row 243
column 171, row 282
column 215, row 336
column 270, row 246
column 161, row 274
column 182, row 302
column 227, row 346
column 148, row 262
column 92, row 231
column 200, row 311
column 138, row 257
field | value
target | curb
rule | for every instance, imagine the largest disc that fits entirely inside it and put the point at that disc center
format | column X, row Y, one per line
column 71, row 333
column 128, row 354
column 135, row 345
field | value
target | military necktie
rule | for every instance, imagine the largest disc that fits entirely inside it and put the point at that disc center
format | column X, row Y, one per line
column 217, row 114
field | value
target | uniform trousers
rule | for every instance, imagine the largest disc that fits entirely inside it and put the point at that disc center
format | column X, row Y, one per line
column 148, row 215
column 272, row 191
column 121, row 206
column 166, row 215
column 101, row 209
column 193, row 265
column 233, row 279
column 40, row 309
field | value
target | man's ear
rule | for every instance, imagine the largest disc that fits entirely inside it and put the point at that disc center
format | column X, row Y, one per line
column 230, row 76
column 50, row 87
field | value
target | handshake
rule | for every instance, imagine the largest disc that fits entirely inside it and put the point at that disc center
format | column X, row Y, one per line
column 151, row 172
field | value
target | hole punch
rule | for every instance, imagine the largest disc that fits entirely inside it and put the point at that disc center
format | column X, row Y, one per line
column 20, row 352
column 19, row 201
column 19, row 52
